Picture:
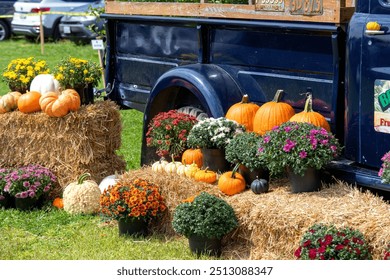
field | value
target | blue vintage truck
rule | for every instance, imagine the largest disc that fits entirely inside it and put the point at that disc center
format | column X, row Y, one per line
column 163, row 56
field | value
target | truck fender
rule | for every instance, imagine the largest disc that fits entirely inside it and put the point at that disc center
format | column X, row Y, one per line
column 212, row 88
column 207, row 87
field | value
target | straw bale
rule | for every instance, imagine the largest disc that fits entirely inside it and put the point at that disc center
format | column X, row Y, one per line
column 271, row 224
column 82, row 141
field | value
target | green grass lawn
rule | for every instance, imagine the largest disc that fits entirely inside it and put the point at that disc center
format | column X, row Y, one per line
column 50, row 234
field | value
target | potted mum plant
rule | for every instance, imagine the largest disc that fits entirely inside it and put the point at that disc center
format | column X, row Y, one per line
column 79, row 74
column 168, row 132
column 301, row 149
column 212, row 135
column 326, row 242
column 384, row 171
column 21, row 71
column 6, row 200
column 244, row 150
column 29, row 185
column 204, row 220
column 133, row 205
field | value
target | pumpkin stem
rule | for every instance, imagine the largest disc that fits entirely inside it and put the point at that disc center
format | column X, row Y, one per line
column 245, row 99
column 308, row 103
column 82, row 178
column 235, row 170
column 278, row 95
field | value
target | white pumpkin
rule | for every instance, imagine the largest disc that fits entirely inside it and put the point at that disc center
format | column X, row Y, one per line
column 82, row 197
column 180, row 170
column 43, row 83
column 108, row 181
column 172, row 167
column 159, row 166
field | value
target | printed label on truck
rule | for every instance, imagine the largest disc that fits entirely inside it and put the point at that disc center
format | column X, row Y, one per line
column 306, row 7
column 382, row 106
column 270, row 5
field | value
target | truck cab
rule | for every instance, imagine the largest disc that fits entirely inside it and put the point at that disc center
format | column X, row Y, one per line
column 159, row 57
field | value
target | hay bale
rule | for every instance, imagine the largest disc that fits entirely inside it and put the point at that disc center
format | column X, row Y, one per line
column 82, row 141
column 271, row 224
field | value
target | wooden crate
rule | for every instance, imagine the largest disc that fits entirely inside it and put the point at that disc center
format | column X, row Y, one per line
column 327, row 11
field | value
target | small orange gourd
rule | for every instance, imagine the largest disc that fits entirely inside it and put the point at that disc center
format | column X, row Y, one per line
column 192, row 156
column 206, row 176
column 309, row 116
column 243, row 112
column 29, row 102
column 231, row 182
column 271, row 114
column 58, row 203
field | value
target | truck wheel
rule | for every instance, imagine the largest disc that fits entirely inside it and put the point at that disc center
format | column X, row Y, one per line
column 5, row 31
column 199, row 114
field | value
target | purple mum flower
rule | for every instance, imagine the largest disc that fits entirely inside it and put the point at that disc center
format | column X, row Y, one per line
column 302, row 154
column 289, row 145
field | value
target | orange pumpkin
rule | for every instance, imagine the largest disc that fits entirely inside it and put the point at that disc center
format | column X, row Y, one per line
column 271, row 114
column 55, row 105
column 192, row 156
column 58, row 203
column 231, row 182
column 309, row 116
column 243, row 112
column 29, row 102
column 205, row 176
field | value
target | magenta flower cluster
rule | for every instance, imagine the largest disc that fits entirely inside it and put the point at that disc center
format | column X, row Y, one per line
column 326, row 242
column 28, row 181
column 298, row 146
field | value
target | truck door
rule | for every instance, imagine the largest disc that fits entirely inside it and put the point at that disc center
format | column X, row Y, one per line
column 368, row 85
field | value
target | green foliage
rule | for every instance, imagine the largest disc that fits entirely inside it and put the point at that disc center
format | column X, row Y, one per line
column 243, row 149
column 207, row 216
column 326, row 242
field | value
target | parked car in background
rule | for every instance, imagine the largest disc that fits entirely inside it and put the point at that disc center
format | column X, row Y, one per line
column 6, row 10
column 83, row 28
column 26, row 20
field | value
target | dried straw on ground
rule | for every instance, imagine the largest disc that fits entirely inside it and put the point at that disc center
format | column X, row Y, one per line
column 82, row 141
column 272, row 224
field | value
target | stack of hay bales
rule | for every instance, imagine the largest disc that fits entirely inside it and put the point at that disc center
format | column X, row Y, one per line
column 82, row 141
column 272, row 224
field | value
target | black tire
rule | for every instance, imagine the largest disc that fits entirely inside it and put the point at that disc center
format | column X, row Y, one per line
column 56, row 36
column 5, row 31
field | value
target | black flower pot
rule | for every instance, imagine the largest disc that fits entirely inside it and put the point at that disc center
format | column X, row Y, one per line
column 214, row 160
column 204, row 245
column 309, row 182
column 136, row 228
column 7, row 201
column 28, row 203
column 250, row 176
column 86, row 93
